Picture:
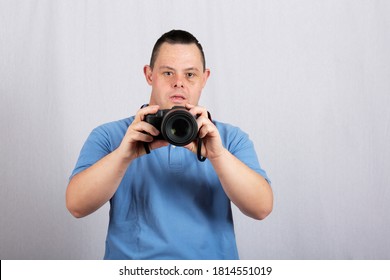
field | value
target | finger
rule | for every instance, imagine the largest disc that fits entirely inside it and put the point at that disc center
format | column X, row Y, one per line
column 145, row 127
column 137, row 136
column 205, row 126
column 189, row 106
column 140, row 116
column 158, row 144
column 197, row 110
column 204, row 131
column 191, row 147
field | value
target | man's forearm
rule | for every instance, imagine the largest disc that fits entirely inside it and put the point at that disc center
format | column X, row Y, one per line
column 247, row 189
column 93, row 187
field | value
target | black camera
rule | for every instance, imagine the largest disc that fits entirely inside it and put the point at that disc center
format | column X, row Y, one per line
column 176, row 125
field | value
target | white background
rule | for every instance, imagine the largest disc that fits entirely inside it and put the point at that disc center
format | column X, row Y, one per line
column 308, row 80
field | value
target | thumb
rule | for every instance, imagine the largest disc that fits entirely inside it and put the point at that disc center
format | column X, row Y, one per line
column 191, row 147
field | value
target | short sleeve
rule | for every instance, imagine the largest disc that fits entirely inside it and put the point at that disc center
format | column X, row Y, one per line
column 239, row 144
column 95, row 148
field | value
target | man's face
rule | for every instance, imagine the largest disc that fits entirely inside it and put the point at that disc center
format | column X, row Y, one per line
column 177, row 77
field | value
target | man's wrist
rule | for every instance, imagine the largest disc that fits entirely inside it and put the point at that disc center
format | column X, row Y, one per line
column 124, row 155
column 219, row 155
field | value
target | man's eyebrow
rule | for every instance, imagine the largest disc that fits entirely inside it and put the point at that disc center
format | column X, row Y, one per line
column 192, row 69
column 166, row 67
column 162, row 67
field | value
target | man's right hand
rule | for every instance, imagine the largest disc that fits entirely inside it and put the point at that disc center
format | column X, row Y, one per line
column 138, row 133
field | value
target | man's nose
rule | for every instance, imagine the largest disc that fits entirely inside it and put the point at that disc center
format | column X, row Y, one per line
column 178, row 82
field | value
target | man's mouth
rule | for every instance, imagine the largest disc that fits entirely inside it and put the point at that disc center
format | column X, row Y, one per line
column 177, row 98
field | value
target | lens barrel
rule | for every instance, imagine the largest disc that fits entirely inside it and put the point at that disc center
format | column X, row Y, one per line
column 179, row 127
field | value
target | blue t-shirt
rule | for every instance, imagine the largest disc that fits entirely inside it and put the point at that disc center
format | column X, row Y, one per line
column 168, row 205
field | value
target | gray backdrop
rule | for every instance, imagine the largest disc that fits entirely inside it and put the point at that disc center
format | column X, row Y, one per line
column 308, row 80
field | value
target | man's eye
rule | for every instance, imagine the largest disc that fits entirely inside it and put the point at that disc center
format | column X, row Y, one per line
column 168, row 73
column 190, row 75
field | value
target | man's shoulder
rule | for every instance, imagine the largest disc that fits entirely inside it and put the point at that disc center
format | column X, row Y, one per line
column 227, row 128
column 120, row 125
column 111, row 131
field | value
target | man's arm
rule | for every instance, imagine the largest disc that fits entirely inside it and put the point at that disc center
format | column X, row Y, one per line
column 247, row 189
column 90, row 189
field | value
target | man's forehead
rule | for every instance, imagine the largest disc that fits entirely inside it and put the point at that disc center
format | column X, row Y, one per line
column 179, row 53
column 179, row 49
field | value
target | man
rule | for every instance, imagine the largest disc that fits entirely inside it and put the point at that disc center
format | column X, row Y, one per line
column 167, row 204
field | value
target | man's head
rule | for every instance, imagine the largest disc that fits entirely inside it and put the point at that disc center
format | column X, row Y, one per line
column 176, row 37
column 177, row 70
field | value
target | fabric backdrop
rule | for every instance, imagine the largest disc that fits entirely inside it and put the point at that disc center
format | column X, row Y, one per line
column 309, row 81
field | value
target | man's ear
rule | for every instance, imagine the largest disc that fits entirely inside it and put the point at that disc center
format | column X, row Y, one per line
column 148, row 74
column 206, row 75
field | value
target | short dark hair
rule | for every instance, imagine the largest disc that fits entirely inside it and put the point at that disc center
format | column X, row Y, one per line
column 176, row 37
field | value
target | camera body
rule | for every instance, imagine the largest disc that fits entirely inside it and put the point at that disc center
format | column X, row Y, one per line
column 176, row 125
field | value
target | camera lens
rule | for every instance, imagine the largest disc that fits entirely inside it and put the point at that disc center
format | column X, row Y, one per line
column 179, row 127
